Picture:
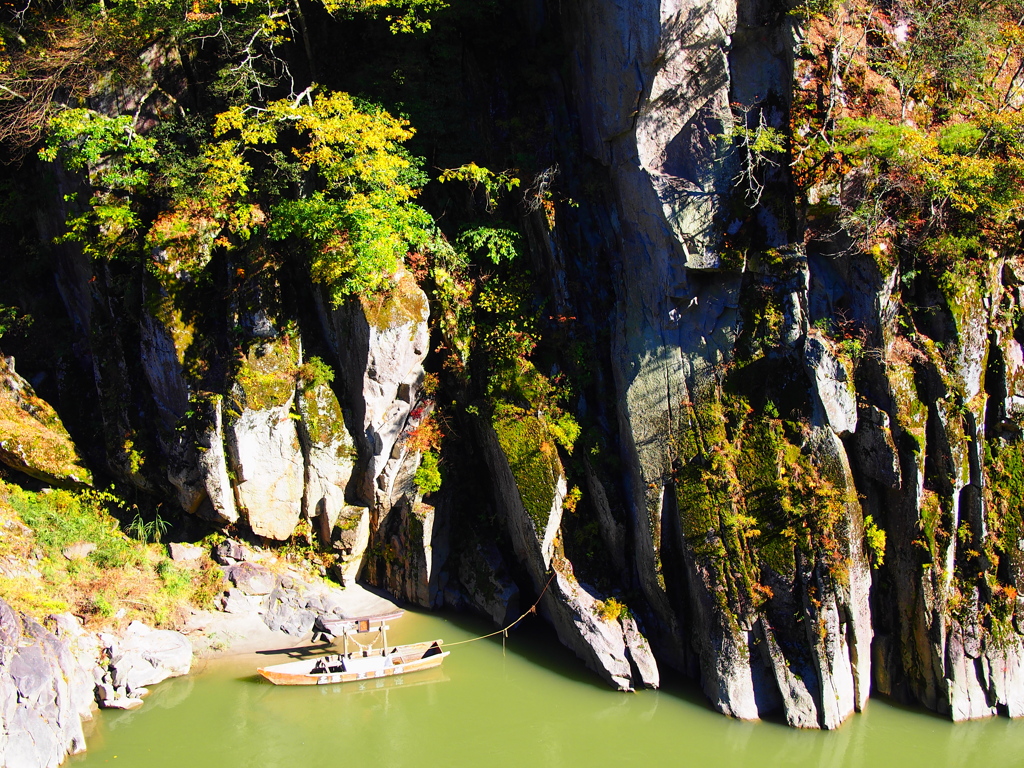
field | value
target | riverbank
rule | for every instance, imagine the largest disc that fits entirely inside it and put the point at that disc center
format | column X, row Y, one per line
column 215, row 634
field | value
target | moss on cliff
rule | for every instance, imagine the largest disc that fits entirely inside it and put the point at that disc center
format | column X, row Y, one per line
column 529, row 445
column 403, row 303
column 756, row 494
column 911, row 412
column 323, row 419
column 266, row 374
column 1004, row 496
column 33, row 439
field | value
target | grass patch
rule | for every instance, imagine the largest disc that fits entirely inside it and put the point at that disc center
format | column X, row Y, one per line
column 62, row 518
column 64, row 551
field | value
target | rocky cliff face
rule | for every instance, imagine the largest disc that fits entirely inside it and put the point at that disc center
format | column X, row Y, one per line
column 802, row 460
column 755, row 444
column 773, row 612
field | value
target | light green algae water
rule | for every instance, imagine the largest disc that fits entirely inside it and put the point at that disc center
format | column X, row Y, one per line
column 531, row 706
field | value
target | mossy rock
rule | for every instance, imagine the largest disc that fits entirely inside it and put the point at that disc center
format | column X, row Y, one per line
column 756, row 492
column 403, row 304
column 32, row 438
column 323, row 419
column 964, row 291
column 267, row 373
column 1004, row 465
column 911, row 412
column 529, row 445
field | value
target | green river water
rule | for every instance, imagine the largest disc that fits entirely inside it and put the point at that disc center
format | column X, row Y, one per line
column 531, row 705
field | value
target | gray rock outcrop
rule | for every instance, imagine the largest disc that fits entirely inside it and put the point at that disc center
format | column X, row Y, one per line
column 251, row 578
column 612, row 648
column 381, row 344
column 140, row 657
column 45, row 693
column 294, row 604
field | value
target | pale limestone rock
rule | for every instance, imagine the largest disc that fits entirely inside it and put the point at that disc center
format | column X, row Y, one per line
column 798, row 703
column 875, row 449
column 329, row 454
column 677, row 124
column 1006, row 675
column 230, row 551
column 294, row 604
column 182, row 552
column 122, row 702
column 79, row 550
column 238, row 602
column 381, row 344
column 353, row 539
column 269, row 468
column 612, row 532
column 197, row 467
column 639, row 654
column 143, row 656
column 45, row 691
column 84, row 647
column 968, row 699
column 410, row 531
column 251, row 578
column 214, row 469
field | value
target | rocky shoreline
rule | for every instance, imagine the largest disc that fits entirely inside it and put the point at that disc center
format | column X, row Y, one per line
column 54, row 674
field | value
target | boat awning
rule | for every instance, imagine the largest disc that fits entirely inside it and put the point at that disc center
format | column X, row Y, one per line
column 340, row 626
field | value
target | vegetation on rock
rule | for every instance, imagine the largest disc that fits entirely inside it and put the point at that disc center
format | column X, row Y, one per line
column 65, row 551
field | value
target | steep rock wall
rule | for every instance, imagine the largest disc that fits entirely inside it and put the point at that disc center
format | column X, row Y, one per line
column 712, row 307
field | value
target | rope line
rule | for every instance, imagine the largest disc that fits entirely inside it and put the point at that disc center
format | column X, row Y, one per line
column 504, row 630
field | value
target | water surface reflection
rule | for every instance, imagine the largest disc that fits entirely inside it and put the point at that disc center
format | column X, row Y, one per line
column 529, row 705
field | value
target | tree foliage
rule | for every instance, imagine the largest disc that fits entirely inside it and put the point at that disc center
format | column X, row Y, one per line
column 929, row 154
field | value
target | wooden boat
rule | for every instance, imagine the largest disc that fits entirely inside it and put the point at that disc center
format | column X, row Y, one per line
column 365, row 664
column 346, row 668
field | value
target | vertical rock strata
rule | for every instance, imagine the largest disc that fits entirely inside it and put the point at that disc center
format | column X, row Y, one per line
column 381, row 344
column 756, row 445
column 746, row 526
column 611, row 646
